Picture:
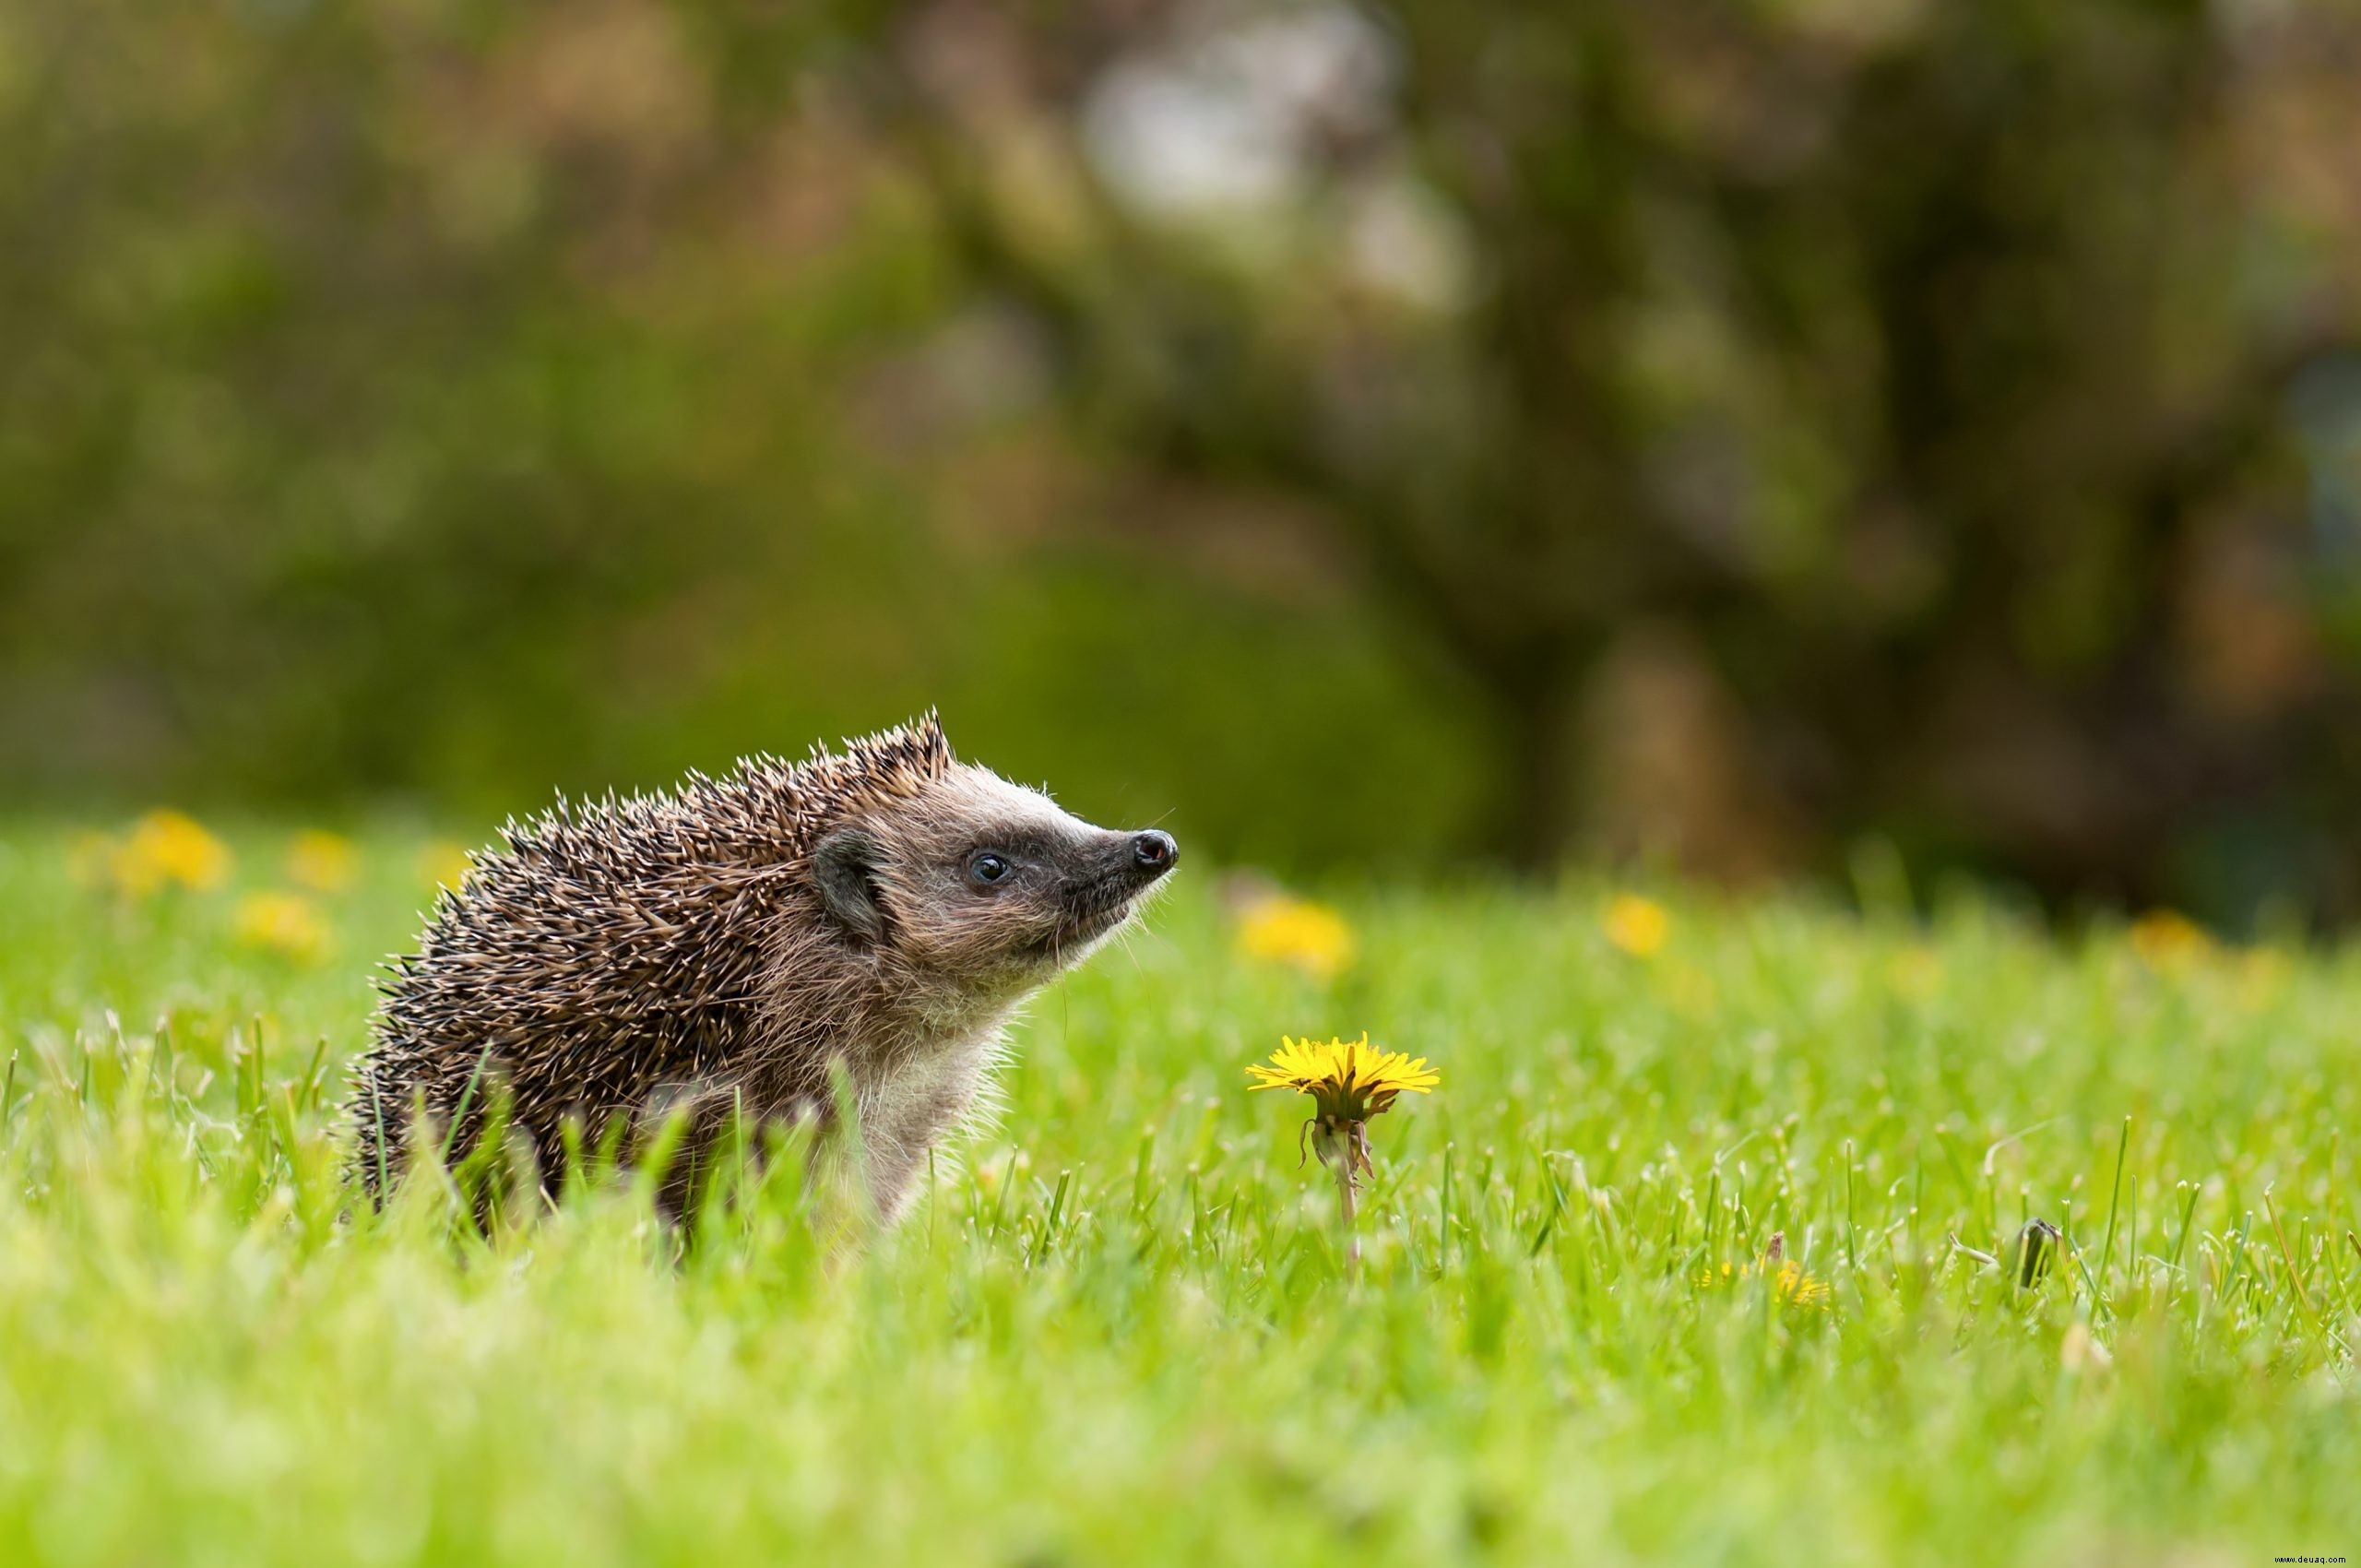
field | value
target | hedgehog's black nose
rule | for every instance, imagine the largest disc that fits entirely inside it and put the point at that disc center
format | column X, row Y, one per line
column 1152, row 851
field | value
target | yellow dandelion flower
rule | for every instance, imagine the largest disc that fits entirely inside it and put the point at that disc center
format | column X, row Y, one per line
column 1638, row 926
column 1349, row 1084
column 1797, row 1288
column 1312, row 937
column 321, row 861
column 1348, row 1081
column 2165, row 939
column 444, row 864
column 1789, row 1282
column 284, row 923
column 169, row 847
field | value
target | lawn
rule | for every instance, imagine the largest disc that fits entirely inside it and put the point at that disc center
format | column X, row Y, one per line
column 1118, row 1329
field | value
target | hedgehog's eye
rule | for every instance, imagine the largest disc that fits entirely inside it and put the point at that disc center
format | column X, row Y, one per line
column 987, row 868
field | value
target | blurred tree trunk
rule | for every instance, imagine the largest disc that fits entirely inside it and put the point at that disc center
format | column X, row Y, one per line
column 1511, row 542
column 1542, row 811
column 1959, row 288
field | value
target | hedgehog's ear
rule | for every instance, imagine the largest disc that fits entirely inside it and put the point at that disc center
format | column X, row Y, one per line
column 844, row 868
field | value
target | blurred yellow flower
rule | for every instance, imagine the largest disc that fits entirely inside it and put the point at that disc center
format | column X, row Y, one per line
column 2165, row 939
column 285, row 923
column 444, row 864
column 1638, row 926
column 1789, row 1283
column 325, row 863
column 1312, row 937
column 168, row 847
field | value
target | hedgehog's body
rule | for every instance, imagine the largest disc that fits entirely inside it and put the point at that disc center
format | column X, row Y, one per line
column 728, row 948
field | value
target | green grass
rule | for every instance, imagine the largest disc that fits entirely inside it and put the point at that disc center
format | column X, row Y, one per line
column 1119, row 1330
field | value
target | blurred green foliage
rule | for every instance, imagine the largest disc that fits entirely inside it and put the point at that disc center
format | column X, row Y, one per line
column 1371, row 435
column 436, row 401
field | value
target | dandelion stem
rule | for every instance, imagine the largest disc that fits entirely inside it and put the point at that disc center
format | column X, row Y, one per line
column 1345, row 1182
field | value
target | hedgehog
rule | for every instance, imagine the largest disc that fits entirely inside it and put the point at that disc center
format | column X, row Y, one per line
column 744, row 951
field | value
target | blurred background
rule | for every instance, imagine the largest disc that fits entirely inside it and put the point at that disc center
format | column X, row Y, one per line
column 1385, row 438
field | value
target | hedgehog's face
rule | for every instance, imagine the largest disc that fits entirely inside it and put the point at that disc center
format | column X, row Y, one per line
column 989, row 887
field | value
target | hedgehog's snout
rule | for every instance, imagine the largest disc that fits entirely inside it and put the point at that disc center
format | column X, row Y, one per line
column 1153, row 853
column 1117, row 864
column 1105, row 881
